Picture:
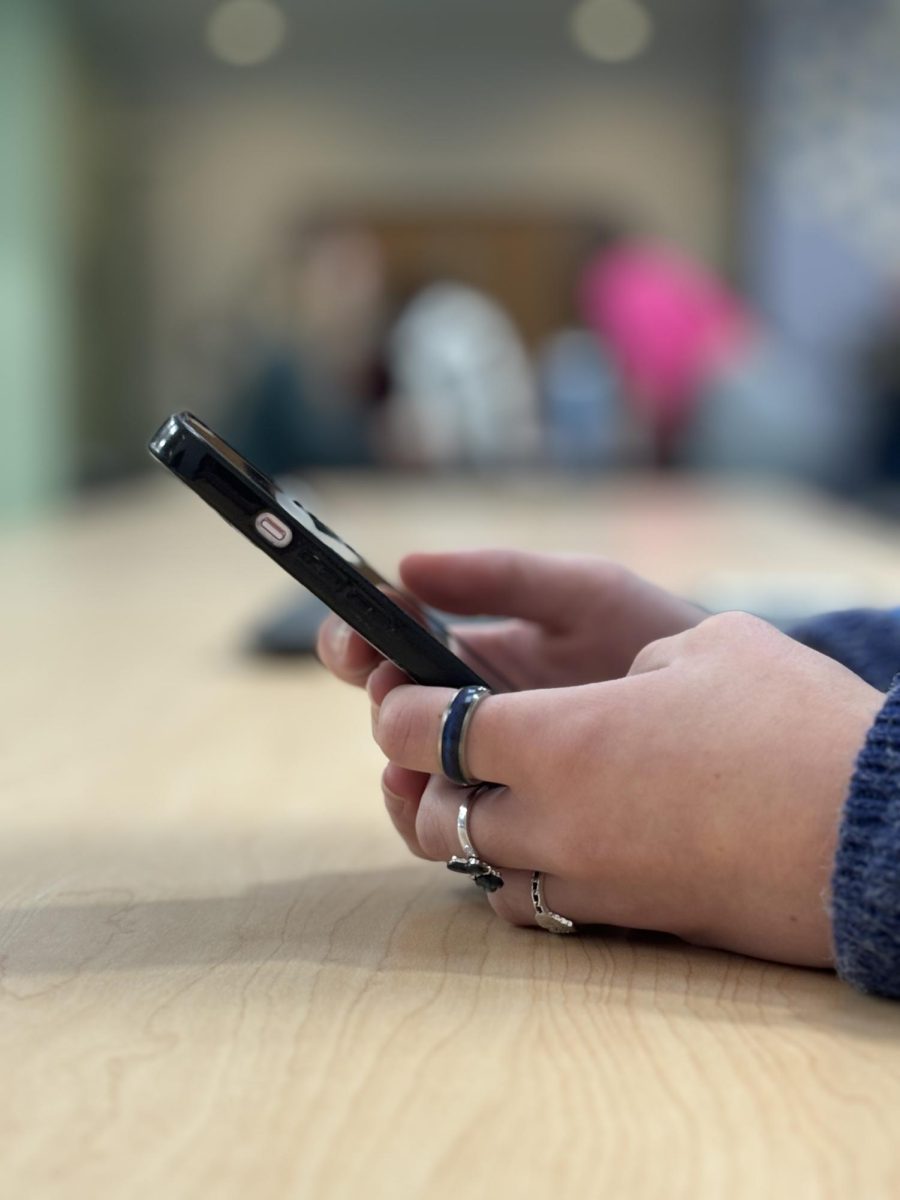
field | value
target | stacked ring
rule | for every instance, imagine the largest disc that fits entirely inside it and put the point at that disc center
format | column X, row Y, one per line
column 454, row 726
column 469, row 863
column 451, row 750
column 545, row 917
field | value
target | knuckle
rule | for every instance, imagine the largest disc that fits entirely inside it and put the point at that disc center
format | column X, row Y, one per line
column 643, row 658
column 648, row 657
column 732, row 624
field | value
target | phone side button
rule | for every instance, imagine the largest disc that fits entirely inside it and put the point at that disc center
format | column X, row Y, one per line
column 273, row 529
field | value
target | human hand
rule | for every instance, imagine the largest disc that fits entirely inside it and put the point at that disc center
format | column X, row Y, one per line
column 699, row 796
column 574, row 619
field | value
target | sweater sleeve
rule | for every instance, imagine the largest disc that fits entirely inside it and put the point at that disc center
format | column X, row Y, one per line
column 866, row 880
column 867, row 640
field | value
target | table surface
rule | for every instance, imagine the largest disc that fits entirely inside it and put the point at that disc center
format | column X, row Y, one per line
column 220, row 975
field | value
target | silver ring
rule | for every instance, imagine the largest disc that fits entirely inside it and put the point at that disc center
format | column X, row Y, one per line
column 455, row 722
column 462, row 824
column 545, row 917
column 470, row 863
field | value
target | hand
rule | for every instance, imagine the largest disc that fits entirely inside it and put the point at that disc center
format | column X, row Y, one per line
column 574, row 619
column 698, row 796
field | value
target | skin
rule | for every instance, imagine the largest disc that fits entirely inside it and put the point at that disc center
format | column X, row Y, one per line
column 666, row 769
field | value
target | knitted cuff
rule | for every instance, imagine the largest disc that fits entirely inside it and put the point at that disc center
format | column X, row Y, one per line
column 866, row 880
column 867, row 640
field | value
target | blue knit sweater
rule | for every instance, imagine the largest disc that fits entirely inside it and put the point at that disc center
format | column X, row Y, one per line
column 866, row 879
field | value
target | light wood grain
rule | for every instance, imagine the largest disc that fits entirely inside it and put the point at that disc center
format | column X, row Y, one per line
column 222, row 977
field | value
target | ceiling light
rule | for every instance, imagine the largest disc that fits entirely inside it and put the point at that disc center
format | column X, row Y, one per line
column 612, row 31
column 245, row 33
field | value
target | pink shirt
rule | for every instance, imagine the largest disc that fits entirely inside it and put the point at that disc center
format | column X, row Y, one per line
column 666, row 322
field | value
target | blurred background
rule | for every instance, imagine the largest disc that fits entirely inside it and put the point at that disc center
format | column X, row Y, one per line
column 588, row 235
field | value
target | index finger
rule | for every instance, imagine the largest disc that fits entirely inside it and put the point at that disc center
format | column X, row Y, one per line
column 509, row 739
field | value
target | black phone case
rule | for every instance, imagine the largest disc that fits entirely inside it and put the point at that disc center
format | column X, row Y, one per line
column 240, row 496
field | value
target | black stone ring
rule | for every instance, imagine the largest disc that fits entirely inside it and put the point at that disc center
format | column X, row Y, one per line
column 469, row 863
column 454, row 726
column 482, row 875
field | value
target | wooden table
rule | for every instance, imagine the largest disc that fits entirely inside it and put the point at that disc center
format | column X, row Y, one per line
column 222, row 976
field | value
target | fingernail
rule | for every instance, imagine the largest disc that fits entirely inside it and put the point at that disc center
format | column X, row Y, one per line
column 392, row 800
column 369, row 684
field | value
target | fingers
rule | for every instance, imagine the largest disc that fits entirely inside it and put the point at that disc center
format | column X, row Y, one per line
column 505, row 834
column 544, row 588
column 516, row 835
column 423, row 810
column 570, row 899
column 402, row 791
column 384, row 679
column 503, row 739
column 512, row 650
column 344, row 652
column 503, row 828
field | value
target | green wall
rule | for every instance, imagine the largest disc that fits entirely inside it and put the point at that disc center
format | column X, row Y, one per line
column 36, row 399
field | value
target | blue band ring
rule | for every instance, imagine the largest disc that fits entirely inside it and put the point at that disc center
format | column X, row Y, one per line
column 452, row 738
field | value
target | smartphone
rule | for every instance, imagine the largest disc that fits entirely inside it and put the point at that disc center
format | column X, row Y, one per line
column 398, row 626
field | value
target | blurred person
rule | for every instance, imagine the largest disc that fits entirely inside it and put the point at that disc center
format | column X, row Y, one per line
column 882, row 372
column 668, row 324
column 716, row 388
column 464, row 390
column 663, row 769
column 313, row 395
column 582, row 403
column 776, row 410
